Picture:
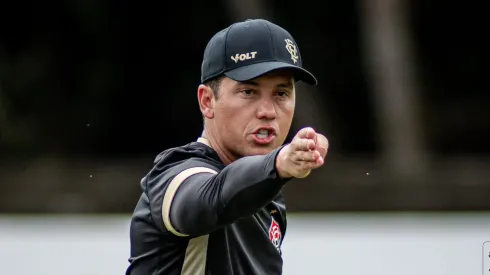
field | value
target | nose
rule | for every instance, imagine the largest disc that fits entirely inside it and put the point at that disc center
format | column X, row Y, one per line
column 266, row 110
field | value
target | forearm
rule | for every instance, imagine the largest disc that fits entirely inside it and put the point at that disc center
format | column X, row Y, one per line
column 249, row 185
column 206, row 201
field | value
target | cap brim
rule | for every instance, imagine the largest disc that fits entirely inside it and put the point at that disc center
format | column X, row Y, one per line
column 258, row 69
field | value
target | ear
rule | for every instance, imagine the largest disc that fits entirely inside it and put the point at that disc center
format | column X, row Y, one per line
column 205, row 97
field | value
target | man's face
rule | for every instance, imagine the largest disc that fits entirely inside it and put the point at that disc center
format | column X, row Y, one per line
column 254, row 117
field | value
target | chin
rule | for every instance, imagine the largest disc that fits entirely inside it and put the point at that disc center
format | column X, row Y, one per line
column 260, row 150
column 250, row 148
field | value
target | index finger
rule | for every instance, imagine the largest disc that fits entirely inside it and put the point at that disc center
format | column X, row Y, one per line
column 306, row 132
column 302, row 144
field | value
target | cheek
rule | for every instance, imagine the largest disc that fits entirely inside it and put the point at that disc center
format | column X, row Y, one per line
column 228, row 119
column 287, row 111
column 286, row 118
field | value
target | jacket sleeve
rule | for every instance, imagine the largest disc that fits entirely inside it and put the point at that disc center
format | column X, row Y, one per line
column 199, row 199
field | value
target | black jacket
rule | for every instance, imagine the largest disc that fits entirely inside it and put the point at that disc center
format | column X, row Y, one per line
column 197, row 216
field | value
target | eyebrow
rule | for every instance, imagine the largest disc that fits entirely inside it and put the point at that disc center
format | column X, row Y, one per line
column 289, row 84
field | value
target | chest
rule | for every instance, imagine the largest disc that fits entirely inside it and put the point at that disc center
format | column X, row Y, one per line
column 266, row 228
column 273, row 222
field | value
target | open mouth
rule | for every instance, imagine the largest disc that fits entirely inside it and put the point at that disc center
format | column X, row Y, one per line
column 264, row 135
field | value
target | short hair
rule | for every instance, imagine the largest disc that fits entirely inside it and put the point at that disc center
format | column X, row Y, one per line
column 214, row 84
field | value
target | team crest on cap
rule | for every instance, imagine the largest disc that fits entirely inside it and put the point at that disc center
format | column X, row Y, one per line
column 292, row 50
column 275, row 234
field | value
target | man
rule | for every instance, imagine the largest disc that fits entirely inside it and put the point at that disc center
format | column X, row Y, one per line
column 215, row 206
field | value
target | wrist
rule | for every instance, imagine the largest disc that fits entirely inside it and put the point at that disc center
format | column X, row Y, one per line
column 280, row 163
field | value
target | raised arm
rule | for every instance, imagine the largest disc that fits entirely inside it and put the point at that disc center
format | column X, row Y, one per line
column 199, row 199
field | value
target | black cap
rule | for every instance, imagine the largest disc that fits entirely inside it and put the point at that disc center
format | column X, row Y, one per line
column 251, row 48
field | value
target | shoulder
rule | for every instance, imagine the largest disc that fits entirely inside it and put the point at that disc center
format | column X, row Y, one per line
column 182, row 161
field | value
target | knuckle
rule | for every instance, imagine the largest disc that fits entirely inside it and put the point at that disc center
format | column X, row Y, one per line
column 299, row 144
column 304, row 131
column 301, row 156
column 313, row 155
column 311, row 143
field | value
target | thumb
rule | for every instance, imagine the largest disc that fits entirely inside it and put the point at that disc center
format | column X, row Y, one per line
column 322, row 144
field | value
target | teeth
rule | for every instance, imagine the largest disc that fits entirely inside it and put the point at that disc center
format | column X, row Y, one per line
column 263, row 133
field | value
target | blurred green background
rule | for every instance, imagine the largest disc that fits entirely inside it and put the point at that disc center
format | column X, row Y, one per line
column 92, row 91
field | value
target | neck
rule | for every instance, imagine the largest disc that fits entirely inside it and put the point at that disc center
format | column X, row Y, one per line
column 213, row 142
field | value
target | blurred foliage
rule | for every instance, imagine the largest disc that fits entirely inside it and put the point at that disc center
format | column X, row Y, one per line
column 90, row 80
column 102, row 77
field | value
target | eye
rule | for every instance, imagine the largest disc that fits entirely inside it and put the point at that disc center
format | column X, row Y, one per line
column 282, row 94
column 248, row 92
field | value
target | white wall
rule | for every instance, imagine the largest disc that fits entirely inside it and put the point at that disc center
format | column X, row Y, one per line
column 339, row 244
